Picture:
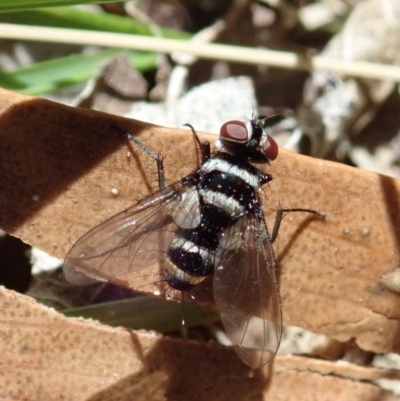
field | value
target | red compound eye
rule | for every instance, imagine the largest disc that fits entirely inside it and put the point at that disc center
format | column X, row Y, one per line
column 270, row 148
column 234, row 131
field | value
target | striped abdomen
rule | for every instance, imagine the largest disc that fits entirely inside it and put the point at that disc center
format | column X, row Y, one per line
column 225, row 190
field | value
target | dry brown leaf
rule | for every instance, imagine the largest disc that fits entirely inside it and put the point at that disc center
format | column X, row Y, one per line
column 46, row 356
column 58, row 166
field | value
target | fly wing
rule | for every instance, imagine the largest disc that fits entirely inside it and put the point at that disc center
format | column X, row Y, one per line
column 246, row 291
column 123, row 249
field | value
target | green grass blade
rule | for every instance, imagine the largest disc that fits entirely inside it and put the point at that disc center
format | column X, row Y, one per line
column 70, row 17
column 149, row 313
column 49, row 76
column 18, row 5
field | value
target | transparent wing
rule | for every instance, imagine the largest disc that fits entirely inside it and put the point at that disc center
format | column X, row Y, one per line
column 246, row 291
column 129, row 247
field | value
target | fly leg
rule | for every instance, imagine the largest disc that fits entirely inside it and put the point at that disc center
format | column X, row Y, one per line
column 281, row 213
column 205, row 148
column 157, row 158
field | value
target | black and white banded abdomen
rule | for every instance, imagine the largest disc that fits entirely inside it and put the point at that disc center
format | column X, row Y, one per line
column 222, row 191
